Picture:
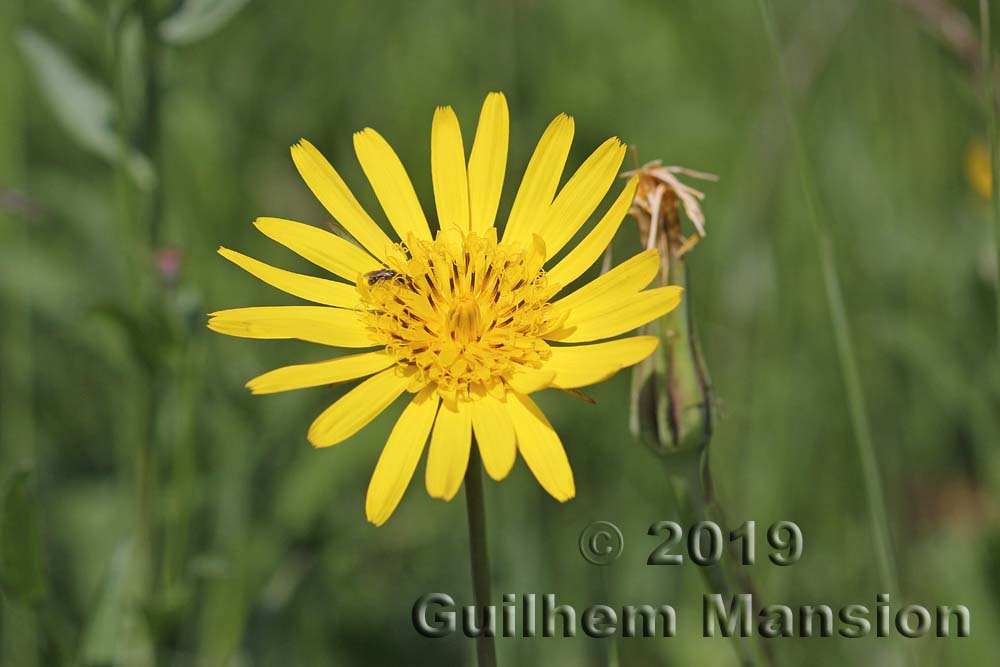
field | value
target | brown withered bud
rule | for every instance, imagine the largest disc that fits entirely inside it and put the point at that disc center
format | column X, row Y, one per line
column 672, row 407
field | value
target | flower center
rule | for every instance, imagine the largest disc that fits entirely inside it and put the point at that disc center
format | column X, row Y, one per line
column 465, row 320
column 462, row 312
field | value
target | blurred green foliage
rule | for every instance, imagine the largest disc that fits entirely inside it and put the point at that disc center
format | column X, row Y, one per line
column 154, row 511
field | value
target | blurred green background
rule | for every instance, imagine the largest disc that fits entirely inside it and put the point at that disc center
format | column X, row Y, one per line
column 155, row 512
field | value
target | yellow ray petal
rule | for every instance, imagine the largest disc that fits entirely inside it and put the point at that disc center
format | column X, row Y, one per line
column 579, row 198
column 451, row 186
column 613, row 315
column 529, row 380
column 541, row 448
column 494, row 435
column 585, row 253
column 629, row 277
column 487, row 162
column 317, row 324
column 400, row 456
column 356, row 408
column 330, row 189
column 391, row 184
column 449, row 453
column 582, row 365
column 330, row 371
column 322, row 248
column 540, row 181
column 317, row 290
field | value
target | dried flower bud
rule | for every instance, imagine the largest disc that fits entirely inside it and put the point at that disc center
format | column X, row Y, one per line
column 672, row 406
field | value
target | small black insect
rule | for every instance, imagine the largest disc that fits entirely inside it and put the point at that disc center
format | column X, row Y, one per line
column 380, row 275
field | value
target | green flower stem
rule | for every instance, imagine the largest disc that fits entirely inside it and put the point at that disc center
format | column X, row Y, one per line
column 991, row 125
column 151, row 125
column 612, row 659
column 186, row 381
column 877, row 515
column 19, row 623
column 149, row 138
column 691, row 483
column 486, row 652
column 142, row 224
column 673, row 410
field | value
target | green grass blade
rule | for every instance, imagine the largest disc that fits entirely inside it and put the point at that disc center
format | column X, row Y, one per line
column 851, row 375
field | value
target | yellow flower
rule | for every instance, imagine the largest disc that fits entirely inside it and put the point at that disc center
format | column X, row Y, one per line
column 977, row 169
column 466, row 321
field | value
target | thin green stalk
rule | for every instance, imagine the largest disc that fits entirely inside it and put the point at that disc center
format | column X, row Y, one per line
column 991, row 125
column 20, row 631
column 691, row 485
column 17, row 432
column 177, row 534
column 612, row 659
column 149, row 140
column 20, row 635
column 486, row 652
column 877, row 515
column 142, row 224
column 151, row 125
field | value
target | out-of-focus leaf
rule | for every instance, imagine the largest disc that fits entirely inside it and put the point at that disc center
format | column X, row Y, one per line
column 144, row 339
column 22, row 557
column 44, row 279
column 82, row 106
column 80, row 12
column 90, row 520
column 131, row 68
column 223, row 620
column 306, row 491
column 84, row 215
column 197, row 19
column 103, row 633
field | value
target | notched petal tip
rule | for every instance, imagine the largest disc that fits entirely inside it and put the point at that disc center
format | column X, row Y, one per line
column 316, row 442
column 376, row 521
column 563, row 124
column 301, row 146
column 218, row 324
column 445, row 496
column 613, row 143
column 377, row 513
column 496, row 98
column 316, row 438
